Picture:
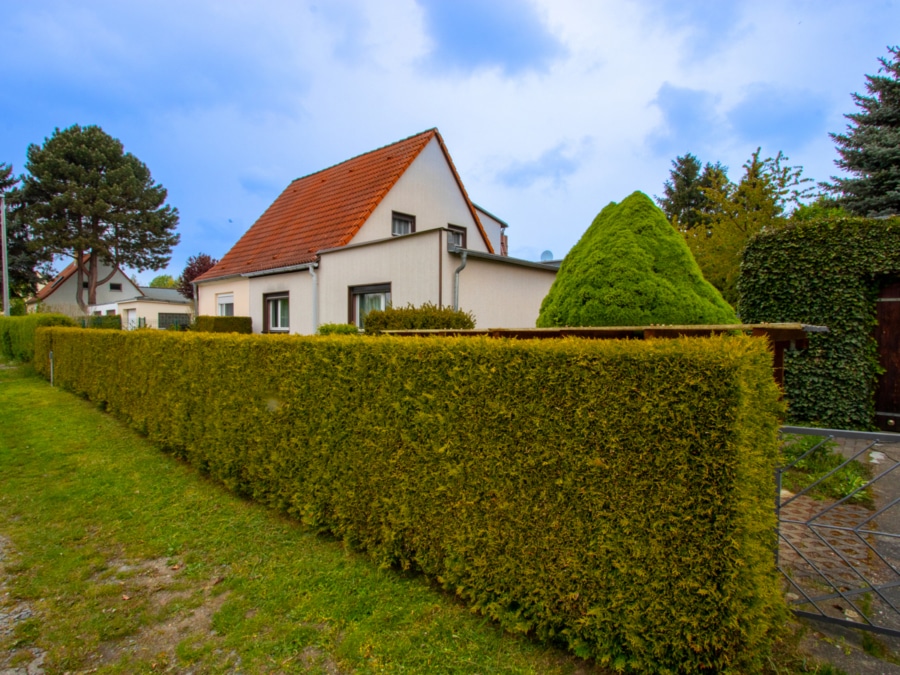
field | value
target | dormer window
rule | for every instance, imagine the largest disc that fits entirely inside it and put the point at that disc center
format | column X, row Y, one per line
column 402, row 224
column 456, row 236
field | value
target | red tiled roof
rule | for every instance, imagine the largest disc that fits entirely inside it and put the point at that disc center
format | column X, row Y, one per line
column 326, row 209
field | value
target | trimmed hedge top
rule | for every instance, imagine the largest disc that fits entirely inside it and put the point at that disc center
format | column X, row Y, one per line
column 631, row 268
column 825, row 272
column 428, row 316
column 17, row 333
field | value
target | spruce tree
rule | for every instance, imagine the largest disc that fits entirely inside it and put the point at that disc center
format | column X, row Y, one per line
column 684, row 199
column 631, row 268
column 870, row 148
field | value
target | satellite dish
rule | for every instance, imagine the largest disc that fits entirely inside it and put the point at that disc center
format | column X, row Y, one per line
column 546, row 256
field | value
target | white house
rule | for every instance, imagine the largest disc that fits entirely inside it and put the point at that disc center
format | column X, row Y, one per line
column 59, row 295
column 394, row 225
column 154, row 308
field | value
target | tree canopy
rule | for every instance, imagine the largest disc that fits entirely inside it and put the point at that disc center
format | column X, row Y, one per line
column 88, row 199
column 870, row 148
column 162, row 281
column 631, row 268
column 762, row 200
column 684, row 200
column 28, row 264
column 196, row 265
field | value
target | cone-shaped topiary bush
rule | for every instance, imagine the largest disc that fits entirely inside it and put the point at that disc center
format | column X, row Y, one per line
column 631, row 268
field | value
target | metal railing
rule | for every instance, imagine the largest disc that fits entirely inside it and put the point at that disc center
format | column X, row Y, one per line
column 839, row 536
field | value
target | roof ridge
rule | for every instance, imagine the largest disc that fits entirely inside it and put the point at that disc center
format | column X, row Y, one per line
column 432, row 130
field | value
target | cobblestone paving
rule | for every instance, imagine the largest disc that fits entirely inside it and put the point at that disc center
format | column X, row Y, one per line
column 830, row 554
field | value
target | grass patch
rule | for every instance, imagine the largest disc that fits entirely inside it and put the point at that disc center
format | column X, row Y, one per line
column 811, row 459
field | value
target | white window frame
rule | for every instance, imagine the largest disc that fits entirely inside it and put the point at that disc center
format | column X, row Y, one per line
column 277, row 312
column 402, row 224
column 225, row 304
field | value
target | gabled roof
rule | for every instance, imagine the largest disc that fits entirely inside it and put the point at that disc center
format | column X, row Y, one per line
column 57, row 281
column 326, row 209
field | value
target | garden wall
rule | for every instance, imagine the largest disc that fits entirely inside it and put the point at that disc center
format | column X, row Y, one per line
column 615, row 495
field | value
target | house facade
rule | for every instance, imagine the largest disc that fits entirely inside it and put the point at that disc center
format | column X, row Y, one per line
column 392, row 226
column 60, row 294
column 154, row 308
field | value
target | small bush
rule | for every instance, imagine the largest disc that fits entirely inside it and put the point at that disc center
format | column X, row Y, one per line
column 17, row 334
column 337, row 329
column 223, row 324
column 426, row 317
column 108, row 322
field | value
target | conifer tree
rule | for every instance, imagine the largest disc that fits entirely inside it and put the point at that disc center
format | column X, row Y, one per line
column 870, row 148
column 88, row 199
column 631, row 268
column 684, row 200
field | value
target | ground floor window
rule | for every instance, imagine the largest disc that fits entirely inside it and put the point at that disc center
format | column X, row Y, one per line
column 277, row 317
column 225, row 303
column 363, row 299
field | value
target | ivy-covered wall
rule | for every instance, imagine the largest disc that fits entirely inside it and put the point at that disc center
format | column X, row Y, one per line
column 826, row 272
column 615, row 495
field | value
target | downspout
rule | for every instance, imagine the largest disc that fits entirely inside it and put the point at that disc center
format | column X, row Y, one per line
column 456, row 281
column 196, row 299
column 315, row 298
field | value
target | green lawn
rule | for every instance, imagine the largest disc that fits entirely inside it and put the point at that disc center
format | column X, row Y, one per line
column 99, row 518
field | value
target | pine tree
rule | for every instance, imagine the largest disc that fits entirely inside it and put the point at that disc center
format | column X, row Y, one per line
column 88, row 199
column 870, row 148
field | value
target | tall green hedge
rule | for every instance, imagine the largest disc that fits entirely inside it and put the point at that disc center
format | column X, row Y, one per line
column 223, row 324
column 825, row 272
column 17, row 334
column 631, row 268
column 615, row 495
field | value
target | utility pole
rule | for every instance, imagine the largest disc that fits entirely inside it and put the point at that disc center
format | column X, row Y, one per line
column 5, row 254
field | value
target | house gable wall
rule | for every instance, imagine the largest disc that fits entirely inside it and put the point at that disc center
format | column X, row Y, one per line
column 427, row 190
column 63, row 299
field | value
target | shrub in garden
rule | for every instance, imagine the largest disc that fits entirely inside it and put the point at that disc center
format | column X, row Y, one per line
column 17, row 333
column 108, row 322
column 631, row 268
column 223, row 324
column 338, row 329
column 428, row 316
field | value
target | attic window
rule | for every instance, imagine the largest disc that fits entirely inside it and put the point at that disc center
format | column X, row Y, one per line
column 402, row 224
column 456, row 236
column 115, row 287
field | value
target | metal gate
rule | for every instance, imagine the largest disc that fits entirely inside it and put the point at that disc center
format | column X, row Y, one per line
column 839, row 535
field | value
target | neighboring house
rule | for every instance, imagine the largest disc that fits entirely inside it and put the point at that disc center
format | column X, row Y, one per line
column 392, row 226
column 154, row 308
column 59, row 295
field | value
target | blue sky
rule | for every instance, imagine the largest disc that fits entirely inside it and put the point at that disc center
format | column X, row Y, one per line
column 550, row 108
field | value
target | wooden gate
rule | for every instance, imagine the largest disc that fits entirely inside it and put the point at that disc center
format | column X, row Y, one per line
column 887, row 334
